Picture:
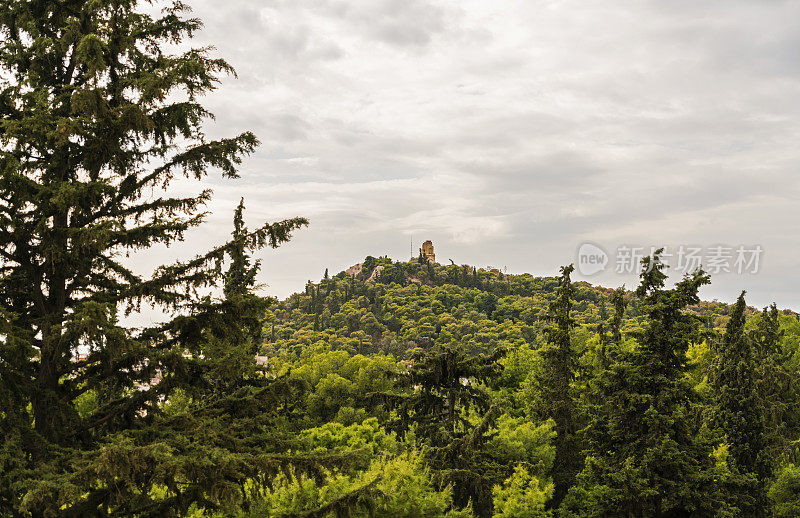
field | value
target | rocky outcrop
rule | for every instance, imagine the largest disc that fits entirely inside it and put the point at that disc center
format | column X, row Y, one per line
column 376, row 273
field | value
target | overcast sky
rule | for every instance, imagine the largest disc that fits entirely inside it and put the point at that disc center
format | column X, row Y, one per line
column 510, row 132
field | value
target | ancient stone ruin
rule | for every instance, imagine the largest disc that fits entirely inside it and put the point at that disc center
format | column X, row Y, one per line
column 427, row 251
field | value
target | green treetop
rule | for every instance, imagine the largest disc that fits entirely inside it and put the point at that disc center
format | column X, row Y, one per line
column 554, row 394
column 451, row 415
column 643, row 458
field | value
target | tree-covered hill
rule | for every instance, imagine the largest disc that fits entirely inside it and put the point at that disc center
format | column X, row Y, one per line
column 393, row 306
column 539, row 396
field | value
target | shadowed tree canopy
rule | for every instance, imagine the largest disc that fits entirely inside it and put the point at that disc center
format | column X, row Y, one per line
column 442, row 392
column 644, row 458
column 99, row 114
column 553, row 385
column 748, row 380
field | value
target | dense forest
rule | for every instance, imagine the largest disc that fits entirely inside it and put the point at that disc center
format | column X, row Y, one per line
column 560, row 397
column 401, row 389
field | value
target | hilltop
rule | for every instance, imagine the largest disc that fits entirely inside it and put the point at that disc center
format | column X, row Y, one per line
column 385, row 306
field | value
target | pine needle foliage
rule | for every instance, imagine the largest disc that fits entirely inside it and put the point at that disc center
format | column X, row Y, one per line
column 442, row 398
column 644, row 458
column 748, row 377
column 555, row 394
column 99, row 114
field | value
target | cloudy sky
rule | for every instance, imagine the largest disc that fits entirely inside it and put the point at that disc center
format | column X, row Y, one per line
column 510, row 132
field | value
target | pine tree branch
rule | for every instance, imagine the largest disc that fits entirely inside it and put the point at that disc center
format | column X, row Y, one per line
column 362, row 497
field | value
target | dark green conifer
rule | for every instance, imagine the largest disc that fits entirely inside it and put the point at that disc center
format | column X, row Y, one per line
column 99, row 112
column 644, row 459
column 448, row 382
column 553, row 379
column 618, row 300
column 739, row 410
column 776, row 386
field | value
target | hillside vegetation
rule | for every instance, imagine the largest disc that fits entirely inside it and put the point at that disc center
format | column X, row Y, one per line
column 454, row 353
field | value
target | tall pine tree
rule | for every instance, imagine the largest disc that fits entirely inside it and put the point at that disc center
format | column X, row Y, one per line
column 441, row 388
column 739, row 411
column 776, row 386
column 99, row 112
column 643, row 458
column 554, row 392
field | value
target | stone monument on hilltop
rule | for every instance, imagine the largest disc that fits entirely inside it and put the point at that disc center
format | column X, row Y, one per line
column 427, row 251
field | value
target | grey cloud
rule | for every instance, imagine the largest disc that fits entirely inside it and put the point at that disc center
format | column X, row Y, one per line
column 509, row 131
column 535, row 177
column 288, row 127
column 411, row 23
